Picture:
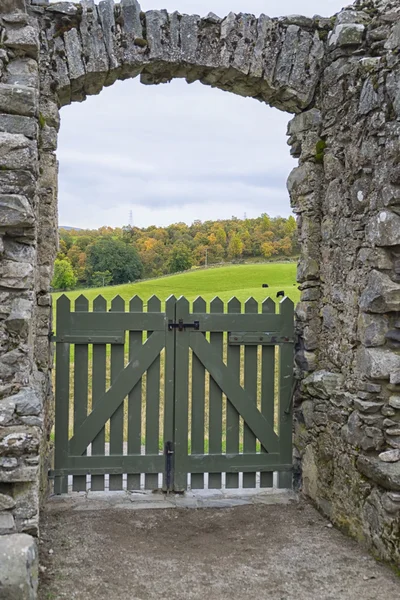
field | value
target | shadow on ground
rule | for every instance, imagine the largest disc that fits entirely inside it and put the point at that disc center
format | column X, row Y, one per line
column 272, row 552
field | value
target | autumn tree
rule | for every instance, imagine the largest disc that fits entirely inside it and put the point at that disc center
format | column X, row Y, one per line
column 180, row 259
column 235, row 249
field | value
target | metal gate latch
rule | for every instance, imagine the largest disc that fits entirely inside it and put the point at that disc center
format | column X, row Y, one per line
column 181, row 326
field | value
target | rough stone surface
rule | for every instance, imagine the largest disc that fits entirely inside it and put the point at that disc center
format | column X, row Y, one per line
column 340, row 78
column 19, row 566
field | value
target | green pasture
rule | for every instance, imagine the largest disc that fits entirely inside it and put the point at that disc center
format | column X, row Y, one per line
column 242, row 281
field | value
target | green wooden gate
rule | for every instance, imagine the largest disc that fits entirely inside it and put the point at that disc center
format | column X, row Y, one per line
column 174, row 397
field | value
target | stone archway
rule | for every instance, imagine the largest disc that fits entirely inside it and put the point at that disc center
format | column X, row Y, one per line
column 340, row 77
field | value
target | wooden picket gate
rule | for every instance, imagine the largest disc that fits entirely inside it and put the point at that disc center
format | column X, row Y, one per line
column 173, row 398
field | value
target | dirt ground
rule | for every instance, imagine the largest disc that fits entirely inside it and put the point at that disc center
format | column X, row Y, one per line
column 272, row 552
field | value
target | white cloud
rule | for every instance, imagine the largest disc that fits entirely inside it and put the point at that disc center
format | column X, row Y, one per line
column 176, row 152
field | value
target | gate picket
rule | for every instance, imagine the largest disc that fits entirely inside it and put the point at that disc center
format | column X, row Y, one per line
column 232, row 415
column 135, row 400
column 81, row 382
column 117, row 419
column 98, row 389
column 215, row 402
column 152, row 403
column 198, row 405
column 250, row 385
column 267, row 386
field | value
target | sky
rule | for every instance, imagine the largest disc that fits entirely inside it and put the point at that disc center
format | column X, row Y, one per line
column 177, row 152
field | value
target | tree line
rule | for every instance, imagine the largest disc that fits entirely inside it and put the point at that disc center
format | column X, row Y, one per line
column 111, row 256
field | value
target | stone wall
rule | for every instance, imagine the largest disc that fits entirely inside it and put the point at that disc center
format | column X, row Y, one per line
column 341, row 78
column 346, row 193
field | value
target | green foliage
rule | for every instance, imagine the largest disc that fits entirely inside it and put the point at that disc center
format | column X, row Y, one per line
column 121, row 260
column 180, row 259
column 164, row 250
column 320, row 151
column 101, row 278
column 235, row 247
column 140, row 42
column 42, row 121
column 64, row 276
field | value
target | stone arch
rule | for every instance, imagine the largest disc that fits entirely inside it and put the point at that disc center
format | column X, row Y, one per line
column 340, row 77
column 84, row 47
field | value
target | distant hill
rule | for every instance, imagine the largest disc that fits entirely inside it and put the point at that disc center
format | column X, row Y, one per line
column 70, row 228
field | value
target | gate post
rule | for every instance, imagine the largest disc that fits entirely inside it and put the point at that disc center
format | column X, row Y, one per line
column 169, row 395
column 181, row 397
column 286, row 367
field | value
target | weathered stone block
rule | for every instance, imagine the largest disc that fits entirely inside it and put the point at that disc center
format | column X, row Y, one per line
column 18, row 275
column 20, row 317
column 15, row 211
column 384, row 229
column 16, row 124
column 385, row 474
column 18, row 472
column 372, row 329
column 323, row 384
column 307, row 269
column 23, row 71
column 10, row 6
column 18, row 100
column 377, row 363
column 6, row 502
column 19, row 567
column 69, row 9
column 19, row 440
column 394, row 402
column 17, row 152
column 23, row 39
column 17, row 182
column 7, row 525
column 381, row 294
column 347, row 34
column 390, row 456
column 367, row 406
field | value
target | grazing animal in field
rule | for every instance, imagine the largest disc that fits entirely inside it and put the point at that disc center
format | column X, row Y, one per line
column 280, row 294
column 265, row 285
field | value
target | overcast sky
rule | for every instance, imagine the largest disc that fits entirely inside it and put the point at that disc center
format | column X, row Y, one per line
column 177, row 152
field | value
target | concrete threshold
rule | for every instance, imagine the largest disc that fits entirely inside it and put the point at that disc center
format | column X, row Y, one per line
column 148, row 500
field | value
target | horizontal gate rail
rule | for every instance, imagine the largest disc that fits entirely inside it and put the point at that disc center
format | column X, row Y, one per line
column 113, row 465
column 241, row 322
column 78, row 327
column 220, row 463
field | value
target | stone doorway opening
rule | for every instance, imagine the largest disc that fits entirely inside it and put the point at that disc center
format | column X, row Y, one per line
column 340, row 77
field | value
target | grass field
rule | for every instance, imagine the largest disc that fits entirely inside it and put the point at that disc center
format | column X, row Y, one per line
column 242, row 281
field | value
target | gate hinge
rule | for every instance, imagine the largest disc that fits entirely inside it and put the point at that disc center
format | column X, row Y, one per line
column 181, row 326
